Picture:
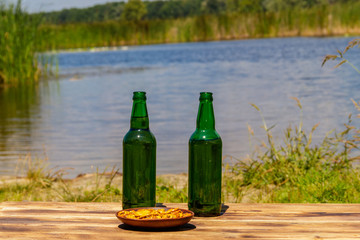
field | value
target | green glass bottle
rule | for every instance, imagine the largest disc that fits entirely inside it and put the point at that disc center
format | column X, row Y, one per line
column 139, row 158
column 205, row 162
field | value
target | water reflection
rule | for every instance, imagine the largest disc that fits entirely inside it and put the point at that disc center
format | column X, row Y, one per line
column 19, row 115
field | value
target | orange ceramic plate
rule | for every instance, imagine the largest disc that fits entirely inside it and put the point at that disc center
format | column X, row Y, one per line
column 155, row 223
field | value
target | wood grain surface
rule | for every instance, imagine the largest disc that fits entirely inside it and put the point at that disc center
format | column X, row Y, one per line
column 53, row 220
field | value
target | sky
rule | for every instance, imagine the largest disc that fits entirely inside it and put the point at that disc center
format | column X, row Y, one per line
column 53, row 5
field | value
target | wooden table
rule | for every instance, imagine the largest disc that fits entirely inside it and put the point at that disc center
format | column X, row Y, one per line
column 50, row 220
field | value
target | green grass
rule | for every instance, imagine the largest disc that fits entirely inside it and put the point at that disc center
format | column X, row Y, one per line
column 41, row 183
column 297, row 170
column 169, row 192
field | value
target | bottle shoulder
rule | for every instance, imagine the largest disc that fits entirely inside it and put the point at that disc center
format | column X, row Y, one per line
column 205, row 135
column 144, row 135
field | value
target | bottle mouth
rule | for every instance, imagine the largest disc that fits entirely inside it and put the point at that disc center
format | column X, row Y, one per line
column 206, row 96
column 139, row 95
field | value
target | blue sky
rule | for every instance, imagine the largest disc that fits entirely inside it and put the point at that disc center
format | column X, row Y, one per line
column 51, row 5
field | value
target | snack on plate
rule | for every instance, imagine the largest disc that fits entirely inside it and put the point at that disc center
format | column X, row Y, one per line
column 149, row 213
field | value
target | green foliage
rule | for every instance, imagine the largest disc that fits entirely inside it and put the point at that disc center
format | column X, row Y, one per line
column 97, row 13
column 213, row 7
column 112, row 11
column 169, row 191
column 134, row 10
column 325, row 186
column 165, row 10
column 249, row 6
column 170, row 194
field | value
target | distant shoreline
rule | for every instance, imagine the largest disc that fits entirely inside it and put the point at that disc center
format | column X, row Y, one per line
column 330, row 21
column 179, row 178
column 128, row 47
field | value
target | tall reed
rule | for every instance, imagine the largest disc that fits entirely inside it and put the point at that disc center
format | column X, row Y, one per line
column 18, row 45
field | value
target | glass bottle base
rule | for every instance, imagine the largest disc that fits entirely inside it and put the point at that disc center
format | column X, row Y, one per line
column 206, row 210
column 137, row 205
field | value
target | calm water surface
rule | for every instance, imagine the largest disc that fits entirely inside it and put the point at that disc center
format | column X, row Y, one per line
column 79, row 121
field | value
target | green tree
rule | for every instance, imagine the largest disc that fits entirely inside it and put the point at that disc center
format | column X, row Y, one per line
column 246, row 6
column 153, row 9
column 213, row 6
column 172, row 9
column 134, row 10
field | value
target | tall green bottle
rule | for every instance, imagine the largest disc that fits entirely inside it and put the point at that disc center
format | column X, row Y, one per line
column 205, row 162
column 139, row 158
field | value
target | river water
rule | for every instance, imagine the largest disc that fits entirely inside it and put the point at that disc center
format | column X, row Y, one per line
column 79, row 120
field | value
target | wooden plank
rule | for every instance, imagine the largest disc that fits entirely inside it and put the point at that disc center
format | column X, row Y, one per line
column 49, row 220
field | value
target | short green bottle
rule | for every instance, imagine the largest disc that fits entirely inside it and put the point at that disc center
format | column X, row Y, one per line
column 205, row 162
column 139, row 158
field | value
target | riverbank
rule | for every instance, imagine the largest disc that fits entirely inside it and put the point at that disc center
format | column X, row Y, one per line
column 104, row 187
column 94, row 187
column 319, row 21
column 317, row 186
column 89, row 187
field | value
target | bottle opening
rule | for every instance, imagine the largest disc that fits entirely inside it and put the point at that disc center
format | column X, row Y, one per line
column 139, row 95
column 206, row 96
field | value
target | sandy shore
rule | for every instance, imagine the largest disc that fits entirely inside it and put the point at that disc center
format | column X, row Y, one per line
column 87, row 183
column 89, row 180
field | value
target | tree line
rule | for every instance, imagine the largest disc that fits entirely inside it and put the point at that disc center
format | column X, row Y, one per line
column 134, row 10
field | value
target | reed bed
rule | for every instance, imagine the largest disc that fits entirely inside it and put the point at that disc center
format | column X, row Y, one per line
column 327, row 20
column 18, row 44
column 21, row 62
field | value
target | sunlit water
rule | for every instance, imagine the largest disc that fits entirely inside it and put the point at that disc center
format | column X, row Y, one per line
column 79, row 121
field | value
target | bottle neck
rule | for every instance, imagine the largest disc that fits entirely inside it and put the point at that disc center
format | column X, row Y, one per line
column 205, row 118
column 139, row 115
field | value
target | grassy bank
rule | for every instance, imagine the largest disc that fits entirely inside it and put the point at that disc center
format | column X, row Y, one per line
column 294, row 170
column 327, row 20
column 40, row 183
